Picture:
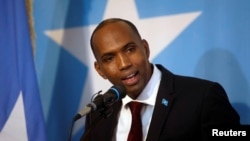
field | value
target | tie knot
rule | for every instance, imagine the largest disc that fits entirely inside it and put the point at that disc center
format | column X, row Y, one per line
column 135, row 107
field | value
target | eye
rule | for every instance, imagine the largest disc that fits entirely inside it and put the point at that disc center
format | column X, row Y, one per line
column 108, row 58
column 130, row 49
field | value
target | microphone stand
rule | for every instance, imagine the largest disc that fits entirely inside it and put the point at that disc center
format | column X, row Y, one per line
column 105, row 112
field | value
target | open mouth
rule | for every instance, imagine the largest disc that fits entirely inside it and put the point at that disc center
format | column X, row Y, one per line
column 131, row 79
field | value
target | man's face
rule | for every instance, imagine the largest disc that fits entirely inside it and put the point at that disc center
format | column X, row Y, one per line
column 122, row 57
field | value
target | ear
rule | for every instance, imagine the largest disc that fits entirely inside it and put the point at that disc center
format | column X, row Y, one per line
column 146, row 46
column 98, row 69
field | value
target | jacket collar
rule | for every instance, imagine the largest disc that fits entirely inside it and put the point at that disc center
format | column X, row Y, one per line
column 164, row 101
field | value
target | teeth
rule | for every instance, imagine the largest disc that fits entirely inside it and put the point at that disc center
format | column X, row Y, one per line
column 131, row 75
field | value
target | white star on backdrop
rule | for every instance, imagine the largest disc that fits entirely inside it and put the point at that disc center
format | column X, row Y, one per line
column 158, row 31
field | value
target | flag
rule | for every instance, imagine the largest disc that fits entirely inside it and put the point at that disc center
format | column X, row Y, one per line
column 201, row 38
column 21, row 115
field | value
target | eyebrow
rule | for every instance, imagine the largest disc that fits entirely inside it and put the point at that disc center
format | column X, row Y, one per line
column 123, row 48
column 128, row 44
column 107, row 54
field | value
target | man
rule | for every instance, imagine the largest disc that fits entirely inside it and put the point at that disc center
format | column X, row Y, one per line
column 174, row 107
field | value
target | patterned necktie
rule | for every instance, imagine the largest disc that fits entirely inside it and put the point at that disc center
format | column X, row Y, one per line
column 135, row 133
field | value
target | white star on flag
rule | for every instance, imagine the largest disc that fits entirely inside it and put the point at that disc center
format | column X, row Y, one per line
column 158, row 31
column 15, row 127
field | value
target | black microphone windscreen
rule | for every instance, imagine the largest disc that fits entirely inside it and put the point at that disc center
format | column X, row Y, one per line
column 119, row 90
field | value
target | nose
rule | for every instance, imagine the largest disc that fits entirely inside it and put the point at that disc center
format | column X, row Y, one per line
column 124, row 61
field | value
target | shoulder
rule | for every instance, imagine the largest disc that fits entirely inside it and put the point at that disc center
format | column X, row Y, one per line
column 182, row 78
column 188, row 82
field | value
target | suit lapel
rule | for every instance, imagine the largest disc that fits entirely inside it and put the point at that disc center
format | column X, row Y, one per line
column 113, row 120
column 164, row 100
column 104, row 129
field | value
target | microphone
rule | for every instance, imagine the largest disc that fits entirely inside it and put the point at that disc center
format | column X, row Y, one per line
column 115, row 93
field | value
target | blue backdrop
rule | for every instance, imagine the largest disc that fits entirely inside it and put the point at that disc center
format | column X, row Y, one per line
column 204, row 38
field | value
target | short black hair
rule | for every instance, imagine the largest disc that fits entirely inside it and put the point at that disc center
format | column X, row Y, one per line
column 112, row 20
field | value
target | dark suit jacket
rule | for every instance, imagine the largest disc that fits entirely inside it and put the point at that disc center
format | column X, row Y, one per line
column 194, row 107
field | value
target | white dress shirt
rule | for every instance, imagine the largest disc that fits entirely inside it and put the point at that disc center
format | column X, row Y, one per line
column 148, row 97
